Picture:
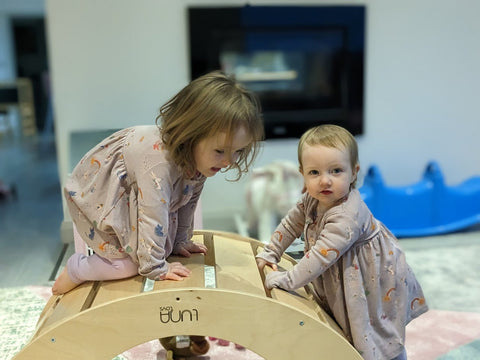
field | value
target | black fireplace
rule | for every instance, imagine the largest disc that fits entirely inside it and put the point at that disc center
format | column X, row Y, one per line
column 306, row 63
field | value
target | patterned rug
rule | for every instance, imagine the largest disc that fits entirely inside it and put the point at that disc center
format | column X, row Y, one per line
column 441, row 335
column 19, row 312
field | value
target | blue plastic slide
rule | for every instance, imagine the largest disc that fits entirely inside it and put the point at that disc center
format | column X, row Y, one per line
column 428, row 207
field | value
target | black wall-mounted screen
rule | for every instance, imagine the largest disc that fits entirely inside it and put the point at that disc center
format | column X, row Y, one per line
column 305, row 63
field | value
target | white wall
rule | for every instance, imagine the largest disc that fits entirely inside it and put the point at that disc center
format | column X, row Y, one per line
column 114, row 62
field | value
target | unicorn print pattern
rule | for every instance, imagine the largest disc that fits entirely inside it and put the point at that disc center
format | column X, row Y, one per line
column 124, row 207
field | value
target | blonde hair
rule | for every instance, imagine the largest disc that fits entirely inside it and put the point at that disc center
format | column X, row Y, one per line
column 210, row 104
column 332, row 136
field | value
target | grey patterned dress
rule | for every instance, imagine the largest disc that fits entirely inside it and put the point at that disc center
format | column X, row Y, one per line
column 357, row 269
column 127, row 198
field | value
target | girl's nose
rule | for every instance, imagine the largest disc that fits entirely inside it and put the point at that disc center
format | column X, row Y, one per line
column 325, row 180
column 226, row 161
column 229, row 159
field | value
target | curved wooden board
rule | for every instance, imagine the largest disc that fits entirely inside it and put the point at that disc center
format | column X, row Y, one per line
column 271, row 329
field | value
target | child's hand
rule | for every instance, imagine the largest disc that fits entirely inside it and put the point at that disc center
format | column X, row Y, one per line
column 176, row 271
column 262, row 262
column 274, row 279
column 188, row 248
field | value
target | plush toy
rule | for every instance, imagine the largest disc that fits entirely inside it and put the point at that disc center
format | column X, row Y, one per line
column 184, row 346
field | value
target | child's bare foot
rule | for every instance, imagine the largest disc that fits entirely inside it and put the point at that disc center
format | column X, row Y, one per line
column 63, row 283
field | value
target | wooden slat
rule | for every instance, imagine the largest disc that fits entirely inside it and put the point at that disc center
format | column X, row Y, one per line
column 195, row 263
column 207, row 240
column 299, row 298
column 69, row 304
column 117, row 289
column 46, row 313
column 197, row 237
column 236, row 267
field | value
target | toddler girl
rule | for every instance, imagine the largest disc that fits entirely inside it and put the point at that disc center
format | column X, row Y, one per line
column 132, row 197
column 353, row 261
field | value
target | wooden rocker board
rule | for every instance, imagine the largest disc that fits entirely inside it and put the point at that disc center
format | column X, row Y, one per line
column 224, row 297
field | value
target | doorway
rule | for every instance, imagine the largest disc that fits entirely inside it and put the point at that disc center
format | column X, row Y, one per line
column 30, row 49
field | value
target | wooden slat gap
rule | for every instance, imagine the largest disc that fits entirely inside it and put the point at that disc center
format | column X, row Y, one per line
column 91, row 295
column 148, row 285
